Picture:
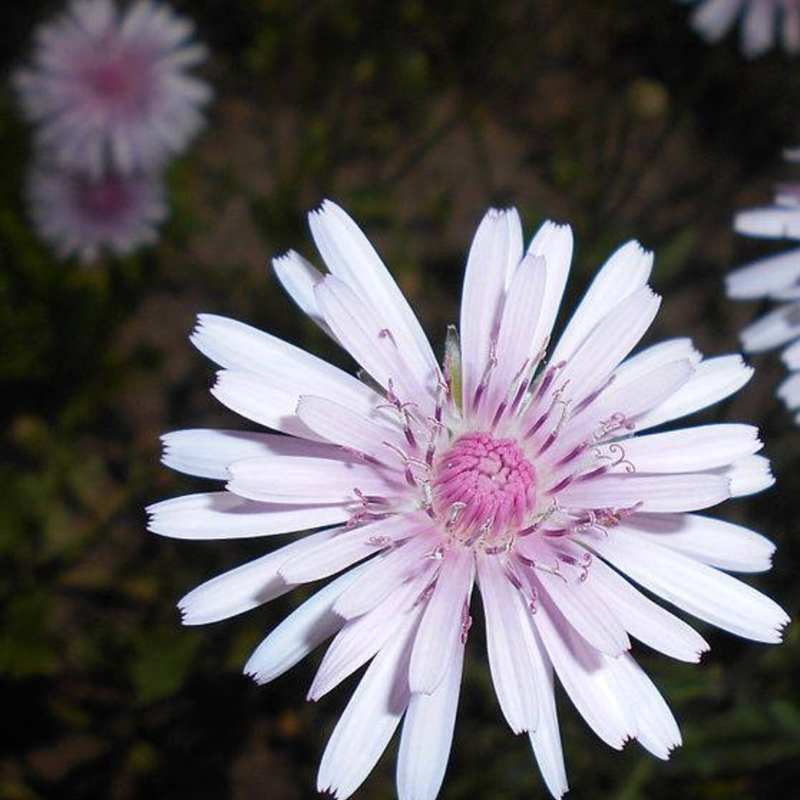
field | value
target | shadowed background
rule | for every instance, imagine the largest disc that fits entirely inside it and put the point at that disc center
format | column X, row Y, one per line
column 416, row 116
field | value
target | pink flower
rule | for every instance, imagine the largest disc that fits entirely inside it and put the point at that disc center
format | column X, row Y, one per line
column 765, row 23
column 776, row 277
column 81, row 216
column 527, row 477
column 109, row 90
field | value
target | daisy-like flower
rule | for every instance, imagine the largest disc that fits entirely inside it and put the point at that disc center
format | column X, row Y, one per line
column 765, row 23
column 776, row 277
column 110, row 90
column 525, row 477
column 79, row 215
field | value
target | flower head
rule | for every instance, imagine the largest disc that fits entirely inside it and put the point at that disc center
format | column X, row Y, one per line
column 110, row 90
column 526, row 477
column 765, row 23
column 776, row 277
column 79, row 215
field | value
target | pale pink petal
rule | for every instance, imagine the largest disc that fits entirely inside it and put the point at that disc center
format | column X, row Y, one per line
column 779, row 326
column 300, row 633
column 789, row 390
column 748, row 475
column 758, row 28
column 643, row 619
column 627, row 270
column 686, row 450
column 713, row 381
column 299, row 277
column 765, row 277
column 495, row 252
column 370, row 719
column 339, row 424
column 772, row 222
column 581, row 670
column 713, row 541
column 714, row 18
column 510, row 644
column 443, row 621
column 791, row 356
column 428, row 735
column 398, row 566
column 660, row 493
column 699, row 589
column 350, row 256
column 208, row 453
column 656, row 728
column 290, row 479
column 222, row 515
column 244, row 587
column 344, row 549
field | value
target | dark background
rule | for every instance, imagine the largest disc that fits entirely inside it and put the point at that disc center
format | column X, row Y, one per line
column 416, row 116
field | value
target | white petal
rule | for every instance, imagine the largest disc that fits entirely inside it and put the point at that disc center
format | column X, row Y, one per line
column 609, row 342
column 350, row 256
column 546, row 739
column 360, row 639
column 648, row 622
column 713, row 381
column 789, row 390
column 207, row 453
column 519, row 315
column 772, row 222
column 580, row 669
column 343, row 426
column 302, row 631
column 749, row 475
column 765, row 277
column 442, row 621
column 290, row 479
column 510, row 644
column 656, row 728
column 659, row 493
column 714, row 18
column 428, row 735
column 385, row 576
column 370, row 719
column 244, row 587
column 223, row 515
column 344, row 549
column 495, row 252
column 369, row 341
column 687, row 450
column 241, row 348
column 299, row 277
column 641, row 365
column 626, row 271
column 699, row 589
column 554, row 243
column 779, row 326
column 713, row 541
column 791, row 356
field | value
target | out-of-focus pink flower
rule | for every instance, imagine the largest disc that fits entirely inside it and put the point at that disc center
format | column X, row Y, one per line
column 776, row 277
column 109, row 90
column 765, row 23
column 79, row 215
column 539, row 481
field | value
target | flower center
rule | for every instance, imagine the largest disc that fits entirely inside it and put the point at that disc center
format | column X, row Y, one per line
column 106, row 199
column 120, row 82
column 483, row 486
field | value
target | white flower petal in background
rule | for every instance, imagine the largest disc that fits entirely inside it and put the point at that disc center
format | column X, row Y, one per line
column 527, row 476
column 764, row 23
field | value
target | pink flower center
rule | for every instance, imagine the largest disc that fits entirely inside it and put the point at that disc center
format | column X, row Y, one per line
column 120, row 82
column 106, row 199
column 483, row 486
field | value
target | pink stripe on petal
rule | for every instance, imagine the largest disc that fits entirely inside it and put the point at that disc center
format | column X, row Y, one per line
column 443, row 620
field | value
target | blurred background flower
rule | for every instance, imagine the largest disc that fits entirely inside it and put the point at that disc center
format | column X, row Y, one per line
column 764, row 23
column 416, row 116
